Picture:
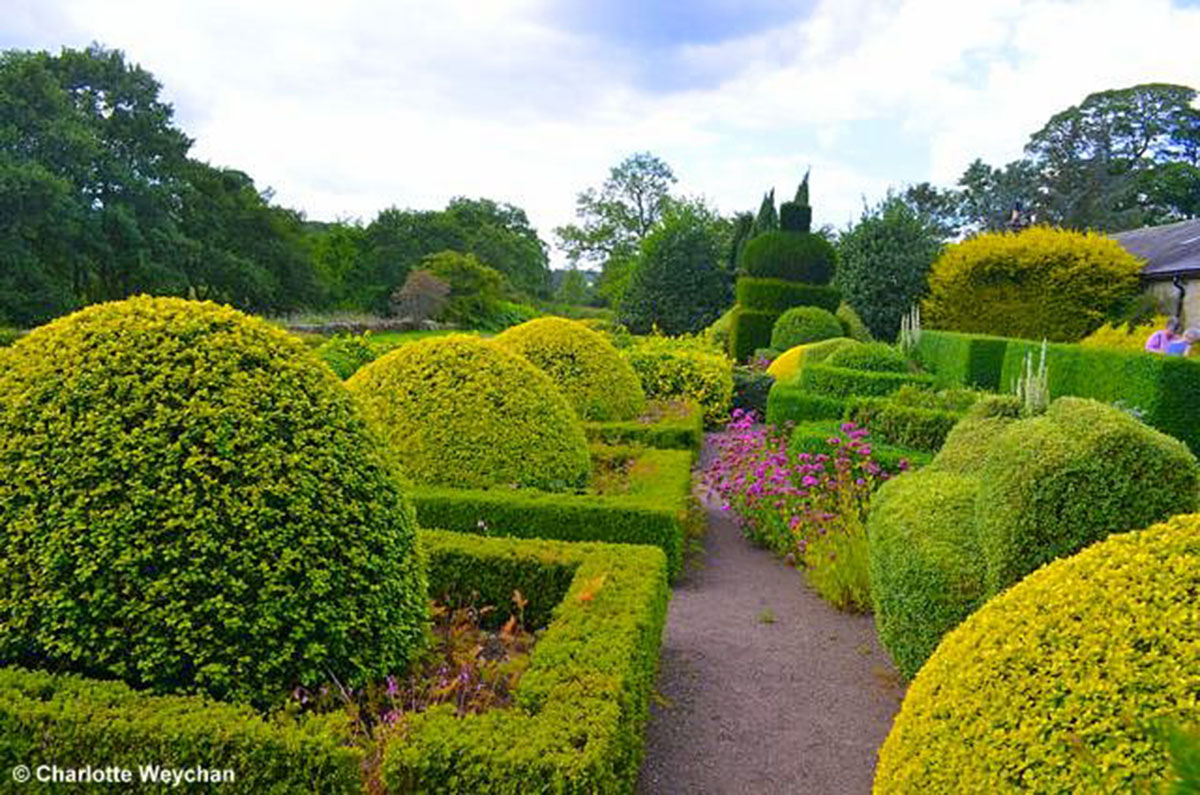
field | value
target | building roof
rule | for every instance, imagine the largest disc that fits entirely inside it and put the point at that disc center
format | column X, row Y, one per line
column 1169, row 250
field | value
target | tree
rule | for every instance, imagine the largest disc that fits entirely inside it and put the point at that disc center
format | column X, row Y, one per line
column 617, row 218
column 573, row 288
column 475, row 289
column 501, row 235
column 678, row 283
column 989, row 195
column 883, row 262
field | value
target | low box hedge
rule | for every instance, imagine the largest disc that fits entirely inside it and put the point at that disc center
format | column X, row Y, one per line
column 653, row 512
column 581, row 706
column 906, row 426
column 776, row 295
column 666, row 425
column 576, row 725
column 956, row 359
column 751, row 330
column 842, row 382
column 1162, row 388
column 790, row 403
column 73, row 722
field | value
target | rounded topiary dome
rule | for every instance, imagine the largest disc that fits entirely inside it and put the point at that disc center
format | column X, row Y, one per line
column 1061, row 683
column 190, row 501
column 598, row 381
column 801, row 325
column 872, row 356
column 792, row 256
column 460, row 411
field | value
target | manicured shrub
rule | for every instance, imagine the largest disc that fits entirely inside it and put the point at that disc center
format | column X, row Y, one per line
column 594, row 376
column 776, row 295
column 795, row 217
column 346, row 353
column 972, row 360
column 583, row 702
column 841, row 382
column 1160, row 388
column 966, row 447
column 876, row 357
column 812, row 436
column 790, row 256
column 190, row 501
column 926, row 572
column 673, row 369
column 1040, row 283
column 1084, row 470
column 787, row 366
column 804, row 324
column 718, row 333
column 791, row 403
column 906, row 426
column 1063, row 682
column 459, row 411
column 666, row 425
column 751, row 330
column 852, row 325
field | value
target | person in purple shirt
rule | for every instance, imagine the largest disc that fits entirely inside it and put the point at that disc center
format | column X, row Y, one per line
column 1161, row 340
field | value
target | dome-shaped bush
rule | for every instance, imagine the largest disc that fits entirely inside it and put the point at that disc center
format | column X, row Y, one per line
column 1061, row 683
column 460, row 411
column 595, row 377
column 1041, row 283
column 876, row 357
column 789, row 255
column 804, row 324
column 189, row 500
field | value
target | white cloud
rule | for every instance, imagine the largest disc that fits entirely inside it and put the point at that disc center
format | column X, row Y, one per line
column 348, row 108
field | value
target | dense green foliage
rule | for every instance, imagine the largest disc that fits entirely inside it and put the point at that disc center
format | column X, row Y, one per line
column 750, row 330
column 347, row 353
column 677, row 282
column 666, row 425
column 674, row 369
column 883, row 263
column 1040, row 283
column 582, row 704
column 463, row 412
column 190, row 501
column 1062, row 683
column 751, row 387
column 599, row 382
column 1044, row 488
column 789, row 256
column 776, row 295
column 908, row 426
column 812, row 437
column 955, row 359
column 841, row 382
column 852, row 325
column 652, row 512
column 877, row 357
column 51, row 718
column 801, row 325
column 790, row 403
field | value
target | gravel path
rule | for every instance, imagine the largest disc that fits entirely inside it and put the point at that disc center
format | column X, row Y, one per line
column 763, row 687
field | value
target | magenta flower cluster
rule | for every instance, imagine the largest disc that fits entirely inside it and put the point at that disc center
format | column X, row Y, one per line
column 782, row 499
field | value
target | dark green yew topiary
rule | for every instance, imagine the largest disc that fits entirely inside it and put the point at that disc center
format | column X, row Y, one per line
column 190, row 501
column 804, row 324
column 789, row 255
column 463, row 412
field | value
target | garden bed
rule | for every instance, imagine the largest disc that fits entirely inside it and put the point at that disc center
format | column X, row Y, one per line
column 666, row 425
column 575, row 724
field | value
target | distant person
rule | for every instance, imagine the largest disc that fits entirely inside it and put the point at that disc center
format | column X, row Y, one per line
column 1160, row 340
column 1190, row 338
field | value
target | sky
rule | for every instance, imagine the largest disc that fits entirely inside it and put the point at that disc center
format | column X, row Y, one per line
column 344, row 109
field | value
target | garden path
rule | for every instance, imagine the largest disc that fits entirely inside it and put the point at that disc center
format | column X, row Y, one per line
column 763, row 687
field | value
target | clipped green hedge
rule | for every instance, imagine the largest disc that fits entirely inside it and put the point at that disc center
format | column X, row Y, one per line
column 583, row 702
column 680, row 427
column 875, row 357
column 852, row 325
column 1065, row 682
column 792, row 256
column 682, row 368
column 751, row 330
column 813, row 437
column 70, row 721
column 776, row 295
column 906, row 426
column 802, row 325
column 1162, row 388
column 926, row 572
column 956, row 359
column 790, row 403
column 653, row 512
column 840, row 382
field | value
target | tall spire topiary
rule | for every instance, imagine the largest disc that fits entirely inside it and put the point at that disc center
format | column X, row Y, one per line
column 796, row 215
